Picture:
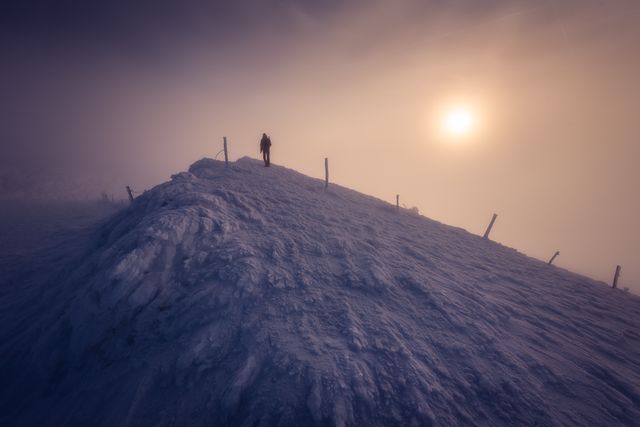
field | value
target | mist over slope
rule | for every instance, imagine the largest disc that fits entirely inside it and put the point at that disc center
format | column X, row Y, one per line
column 246, row 295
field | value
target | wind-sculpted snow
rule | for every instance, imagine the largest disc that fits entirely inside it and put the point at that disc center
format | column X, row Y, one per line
column 246, row 295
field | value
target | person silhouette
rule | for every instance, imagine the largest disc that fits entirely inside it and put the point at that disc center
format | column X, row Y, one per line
column 265, row 149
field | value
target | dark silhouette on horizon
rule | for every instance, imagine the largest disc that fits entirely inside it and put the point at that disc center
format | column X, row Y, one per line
column 265, row 149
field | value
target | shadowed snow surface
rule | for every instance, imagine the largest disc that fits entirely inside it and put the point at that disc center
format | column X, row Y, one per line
column 246, row 295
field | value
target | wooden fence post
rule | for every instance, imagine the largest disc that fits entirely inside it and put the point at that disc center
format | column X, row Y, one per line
column 226, row 155
column 130, row 193
column 398, row 202
column 616, row 276
column 553, row 257
column 486, row 233
column 326, row 172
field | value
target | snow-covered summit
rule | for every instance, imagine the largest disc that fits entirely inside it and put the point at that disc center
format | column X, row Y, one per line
column 246, row 295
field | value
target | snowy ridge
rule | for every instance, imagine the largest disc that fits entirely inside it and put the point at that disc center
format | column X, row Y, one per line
column 246, row 295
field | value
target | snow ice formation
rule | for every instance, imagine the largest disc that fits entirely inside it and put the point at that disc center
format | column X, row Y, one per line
column 245, row 295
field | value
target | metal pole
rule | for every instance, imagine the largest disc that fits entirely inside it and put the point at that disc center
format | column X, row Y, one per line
column 226, row 155
column 553, row 257
column 398, row 202
column 486, row 233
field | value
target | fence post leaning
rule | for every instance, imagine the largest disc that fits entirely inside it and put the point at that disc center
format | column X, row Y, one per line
column 130, row 193
column 486, row 233
column 616, row 276
column 553, row 257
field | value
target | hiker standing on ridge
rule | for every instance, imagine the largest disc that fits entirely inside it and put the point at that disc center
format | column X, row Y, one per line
column 265, row 149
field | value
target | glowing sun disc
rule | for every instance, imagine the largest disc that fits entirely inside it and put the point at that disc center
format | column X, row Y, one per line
column 459, row 122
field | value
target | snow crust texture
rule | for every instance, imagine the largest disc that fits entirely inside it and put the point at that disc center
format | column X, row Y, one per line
column 245, row 295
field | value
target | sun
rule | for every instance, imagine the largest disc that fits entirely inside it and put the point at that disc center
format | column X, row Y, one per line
column 459, row 122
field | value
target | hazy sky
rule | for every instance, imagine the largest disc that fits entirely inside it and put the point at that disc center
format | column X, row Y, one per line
column 98, row 95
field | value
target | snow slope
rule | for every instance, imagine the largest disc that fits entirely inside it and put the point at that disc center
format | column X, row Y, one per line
column 246, row 295
column 28, row 227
